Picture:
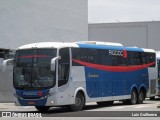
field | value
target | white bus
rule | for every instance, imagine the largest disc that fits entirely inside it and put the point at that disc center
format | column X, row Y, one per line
column 72, row 74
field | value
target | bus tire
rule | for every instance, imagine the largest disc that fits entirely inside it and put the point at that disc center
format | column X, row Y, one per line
column 134, row 97
column 79, row 102
column 42, row 108
column 141, row 97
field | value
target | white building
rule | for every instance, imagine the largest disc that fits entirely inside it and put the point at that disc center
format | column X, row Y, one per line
column 29, row 21
column 140, row 34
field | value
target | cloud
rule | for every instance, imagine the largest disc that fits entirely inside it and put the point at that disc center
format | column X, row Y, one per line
column 123, row 10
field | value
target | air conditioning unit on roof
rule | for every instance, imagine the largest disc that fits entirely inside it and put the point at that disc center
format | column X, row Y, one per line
column 100, row 43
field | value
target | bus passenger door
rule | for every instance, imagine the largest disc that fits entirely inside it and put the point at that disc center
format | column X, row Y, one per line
column 63, row 76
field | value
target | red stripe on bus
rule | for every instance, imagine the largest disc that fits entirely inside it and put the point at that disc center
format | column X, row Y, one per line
column 114, row 68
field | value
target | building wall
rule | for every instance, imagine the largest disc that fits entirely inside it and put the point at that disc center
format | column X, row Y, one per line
column 140, row 34
column 28, row 21
column 6, row 85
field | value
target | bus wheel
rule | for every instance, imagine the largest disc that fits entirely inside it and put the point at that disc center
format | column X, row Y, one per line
column 42, row 108
column 134, row 97
column 79, row 102
column 141, row 97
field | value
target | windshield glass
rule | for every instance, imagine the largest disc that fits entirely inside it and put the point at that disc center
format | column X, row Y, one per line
column 32, row 69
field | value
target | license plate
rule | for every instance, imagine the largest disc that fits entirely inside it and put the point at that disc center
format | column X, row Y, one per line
column 31, row 102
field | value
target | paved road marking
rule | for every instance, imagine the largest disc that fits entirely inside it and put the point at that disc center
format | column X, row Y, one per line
column 140, row 106
column 3, row 107
column 120, row 107
column 130, row 106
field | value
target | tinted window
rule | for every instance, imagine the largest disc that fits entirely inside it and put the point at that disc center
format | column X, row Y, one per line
column 63, row 67
column 99, row 56
column 32, row 69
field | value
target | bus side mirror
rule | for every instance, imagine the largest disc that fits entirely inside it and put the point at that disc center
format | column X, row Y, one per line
column 53, row 63
column 7, row 62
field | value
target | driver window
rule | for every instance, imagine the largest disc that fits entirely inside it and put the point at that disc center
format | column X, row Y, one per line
column 63, row 67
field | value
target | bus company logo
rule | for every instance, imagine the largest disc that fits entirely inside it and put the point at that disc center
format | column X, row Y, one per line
column 30, row 93
column 125, row 53
column 40, row 93
column 122, row 53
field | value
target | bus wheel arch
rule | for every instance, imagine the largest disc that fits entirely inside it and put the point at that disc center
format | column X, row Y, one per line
column 79, row 101
column 83, row 93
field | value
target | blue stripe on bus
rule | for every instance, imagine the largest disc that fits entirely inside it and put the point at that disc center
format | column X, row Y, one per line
column 110, row 47
column 101, row 83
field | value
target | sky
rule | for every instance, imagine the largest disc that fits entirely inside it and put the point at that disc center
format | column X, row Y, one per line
column 107, row 11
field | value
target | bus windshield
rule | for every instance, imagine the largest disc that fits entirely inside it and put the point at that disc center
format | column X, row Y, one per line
column 32, row 69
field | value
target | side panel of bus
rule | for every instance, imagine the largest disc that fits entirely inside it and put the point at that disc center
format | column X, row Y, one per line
column 108, row 84
column 103, row 84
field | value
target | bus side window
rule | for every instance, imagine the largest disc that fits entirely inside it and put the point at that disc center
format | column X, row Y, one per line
column 79, row 54
column 63, row 67
column 114, row 61
column 138, row 58
column 93, row 56
column 150, row 57
column 143, row 58
column 130, row 58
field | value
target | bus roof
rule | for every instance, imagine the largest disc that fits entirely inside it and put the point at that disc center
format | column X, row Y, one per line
column 117, row 47
column 84, row 44
column 48, row 45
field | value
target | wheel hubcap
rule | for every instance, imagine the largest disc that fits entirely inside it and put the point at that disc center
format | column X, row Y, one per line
column 78, row 101
column 134, row 98
column 141, row 96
